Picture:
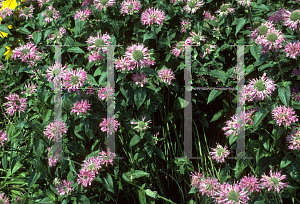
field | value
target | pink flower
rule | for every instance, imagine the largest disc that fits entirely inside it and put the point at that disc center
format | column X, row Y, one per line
column 86, row 2
column 55, row 130
column 209, row 186
column 74, row 79
column 59, row 69
column 292, row 49
column 85, row 177
column 273, row 181
column 260, row 89
column 4, row 198
column 95, row 57
column 100, row 4
column 153, row 15
column 3, row 136
column 185, row 24
column 295, row 93
column 89, row 91
column 93, row 164
column 225, row 9
column 83, row 15
column 141, row 125
column 81, row 107
column 50, row 14
column 27, row 52
column 57, row 35
column 123, row 64
column 29, row 89
column 65, row 187
column 27, row 12
column 193, row 5
column 42, row 2
column 15, row 103
column 128, row 7
column 196, row 179
column 197, row 38
column 139, row 79
column 102, row 93
column 294, row 138
column 219, row 153
column 208, row 15
column 52, row 159
column 292, row 19
column 6, row 12
column 166, row 75
column 277, row 16
column 272, row 40
column 284, row 115
column 179, row 48
column 109, row 125
column 138, row 55
column 251, row 183
column 106, row 157
column 244, row 2
column 231, row 194
column 262, row 30
column 98, row 42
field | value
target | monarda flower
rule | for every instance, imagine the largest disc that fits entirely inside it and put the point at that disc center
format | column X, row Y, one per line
column 139, row 79
column 284, row 115
column 197, row 38
column 197, row 177
column 81, row 107
column 208, row 15
column 231, row 194
column 99, row 43
column 219, row 153
column 271, row 41
column 73, row 79
column 251, row 183
column 129, row 7
column 152, row 15
column 185, row 24
column 28, row 53
column 295, row 93
column 277, row 17
column 3, row 137
column 166, row 75
column 244, row 2
column 262, row 30
column 292, row 49
column 83, row 15
column 193, row 5
column 141, row 125
column 273, row 181
column 102, row 93
column 101, row 4
column 179, row 48
column 15, row 103
column 109, row 125
column 294, row 138
column 29, row 89
column 50, row 14
column 225, row 9
column 138, row 55
column 26, row 12
column 209, row 186
column 3, row 199
column 292, row 19
column 65, row 187
column 55, row 130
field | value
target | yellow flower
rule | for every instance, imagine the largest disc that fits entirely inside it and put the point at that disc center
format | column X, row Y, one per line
column 3, row 35
column 12, row 4
column 8, row 53
column 10, row 26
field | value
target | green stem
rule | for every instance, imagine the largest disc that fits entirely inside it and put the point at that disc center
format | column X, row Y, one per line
column 279, row 66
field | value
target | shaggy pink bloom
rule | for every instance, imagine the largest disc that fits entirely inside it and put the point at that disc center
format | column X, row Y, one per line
column 95, row 56
column 292, row 19
column 50, row 14
column 50, row 73
column 219, row 153
column 81, row 107
column 109, row 125
column 98, row 42
column 86, row 2
column 262, row 30
column 101, row 4
column 197, row 38
column 292, row 49
column 232, row 127
column 106, row 158
column 29, row 89
column 153, row 15
column 284, row 115
column 251, row 183
column 15, row 103
column 260, row 89
column 55, row 130
column 42, row 2
column 273, row 181
column 27, row 52
column 128, row 7
column 52, row 159
column 65, row 187
column 294, row 138
column 6, row 12
column 141, row 125
column 185, row 24
column 207, row 15
column 196, row 179
column 231, row 194
column 57, row 35
column 3, row 136
column 277, row 17
column 179, row 48
column 85, row 177
column 272, row 40
column 244, row 2
column 138, row 55
column 207, row 49
column 209, row 186
column 123, row 64
column 225, row 9
column 102, row 93
column 92, row 163
column 296, row 72
column 295, row 93
column 4, row 198
column 74, row 79
column 1, row 67
column 139, row 79
column 193, row 5
column 26, row 12
column 249, row 115
column 83, row 15
column 166, row 75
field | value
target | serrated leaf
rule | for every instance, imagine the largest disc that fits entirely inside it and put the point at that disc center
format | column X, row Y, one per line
column 149, row 35
column 76, row 50
column 224, row 174
column 97, row 72
column 259, row 115
column 84, row 199
column 217, row 116
column 180, row 103
column 32, row 179
column 139, row 96
column 37, row 36
column 136, row 139
column 285, row 161
column 253, row 51
column 284, row 94
column 240, row 25
column 91, row 80
column 103, row 76
column 213, row 94
column 24, row 30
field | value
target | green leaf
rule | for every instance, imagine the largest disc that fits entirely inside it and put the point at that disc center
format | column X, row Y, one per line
column 228, row 31
column 69, row 41
column 38, row 148
column 253, row 51
column 149, row 35
column 150, row 72
column 78, row 129
column 139, row 156
column 142, row 197
column 23, row 30
column 51, row 195
column 179, row 103
column 232, row 139
column 136, row 139
column 46, row 33
column 97, row 72
column 37, row 36
column 103, row 76
column 259, row 115
column 91, row 80
column 139, row 96
column 224, row 174
column 4, row 29
column 150, row 193
column 240, row 25
column 84, row 199
column 2, row 51
column 33, row 178
column 76, row 50
column 217, row 116
column 139, row 174
column 285, row 161
column 39, row 166
column 284, row 94
column 271, row 64
column 4, row 161
column 109, row 184
column 263, row 164
column 213, row 94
